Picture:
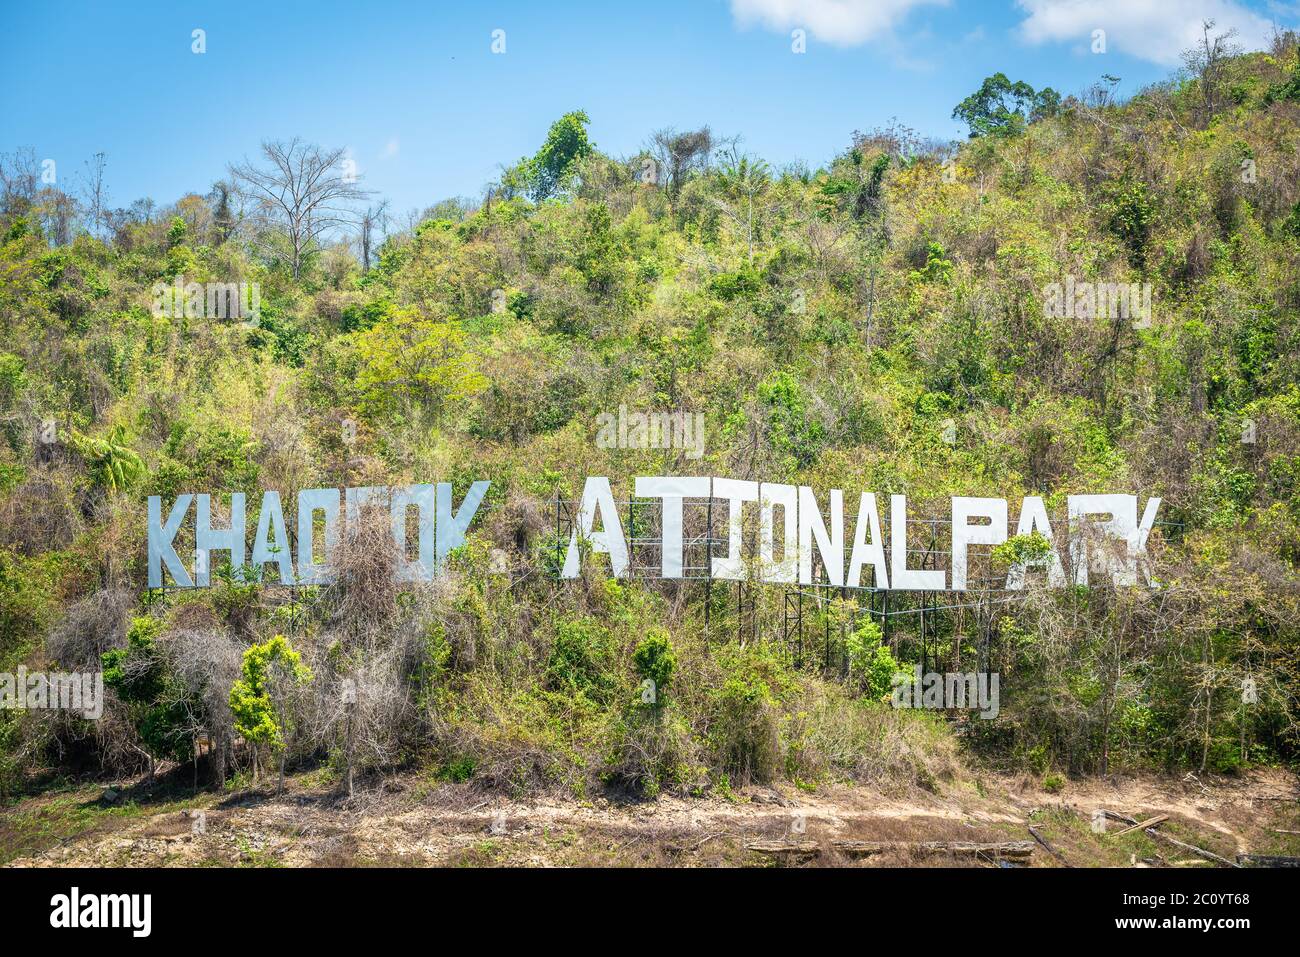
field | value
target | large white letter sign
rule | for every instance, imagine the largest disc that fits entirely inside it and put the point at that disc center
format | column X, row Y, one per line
column 449, row 531
column 422, row 498
column 356, row 500
column 1033, row 518
column 963, row 533
column 1121, row 527
column 161, row 550
column 786, row 496
column 1139, row 545
column 737, row 493
column 864, row 552
column 596, row 495
column 270, row 519
column 208, row 540
column 672, row 489
column 901, row 577
column 311, row 501
column 830, row 545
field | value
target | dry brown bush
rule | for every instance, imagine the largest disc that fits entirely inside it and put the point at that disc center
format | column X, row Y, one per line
column 89, row 628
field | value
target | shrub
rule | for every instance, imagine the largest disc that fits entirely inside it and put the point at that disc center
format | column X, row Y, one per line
column 744, row 719
column 581, row 659
column 655, row 663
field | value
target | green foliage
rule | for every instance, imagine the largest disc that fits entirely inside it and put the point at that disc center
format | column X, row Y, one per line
column 871, row 661
column 655, row 661
column 553, row 167
column 792, row 431
column 27, row 601
column 1028, row 549
column 855, row 185
column 159, row 708
column 257, row 698
column 582, row 659
column 112, row 464
column 1003, row 108
column 744, row 733
column 1132, row 216
column 408, row 361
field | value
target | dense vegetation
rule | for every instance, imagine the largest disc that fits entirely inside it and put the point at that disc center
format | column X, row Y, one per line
column 830, row 324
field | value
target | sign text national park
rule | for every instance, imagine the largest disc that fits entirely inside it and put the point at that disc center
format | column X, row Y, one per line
column 793, row 526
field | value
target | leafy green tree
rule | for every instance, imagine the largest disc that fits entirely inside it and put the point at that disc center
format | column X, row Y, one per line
column 259, row 699
column 551, row 170
column 159, row 707
column 856, row 185
column 112, row 463
column 409, row 360
column 1004, row 108
column 871, row 661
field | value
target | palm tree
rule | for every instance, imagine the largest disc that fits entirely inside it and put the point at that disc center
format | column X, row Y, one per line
column 743, row 181
column 113, row 464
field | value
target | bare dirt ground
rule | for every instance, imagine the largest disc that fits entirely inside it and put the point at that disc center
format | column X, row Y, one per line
column 411, row 821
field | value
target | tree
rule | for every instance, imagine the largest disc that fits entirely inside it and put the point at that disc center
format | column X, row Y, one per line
column 113, row 464
column 96, row 193
column 681, row 154
column 259, row 699
column 655, row 663
column 305, row 191
column 552, row 169
column 1004, row 108
column 157, row 704
column 742, row 182
column 1205, row 61
column 223, row 219
column 415, row 360
column 373, row 220
column 857, row 184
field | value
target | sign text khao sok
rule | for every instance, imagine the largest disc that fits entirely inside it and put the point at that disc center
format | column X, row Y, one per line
column 793, row 525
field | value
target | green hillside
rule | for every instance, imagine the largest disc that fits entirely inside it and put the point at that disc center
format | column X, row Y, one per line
column 875, row 324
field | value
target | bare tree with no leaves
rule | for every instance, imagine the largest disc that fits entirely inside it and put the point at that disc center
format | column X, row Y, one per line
column 373, row 221
column 305, row 190
column 1205, row 61
column 96, row 193
column 681, row 154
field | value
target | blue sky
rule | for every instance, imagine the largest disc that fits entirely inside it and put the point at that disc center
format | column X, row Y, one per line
column 429, row 111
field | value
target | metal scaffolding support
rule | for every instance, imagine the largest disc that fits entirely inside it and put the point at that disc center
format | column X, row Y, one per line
column 813, row 619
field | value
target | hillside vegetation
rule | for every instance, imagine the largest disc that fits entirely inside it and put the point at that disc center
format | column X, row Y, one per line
column 877, row 323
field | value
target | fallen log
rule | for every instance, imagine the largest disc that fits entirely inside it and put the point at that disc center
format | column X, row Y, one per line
column 1198, row 851
column 1011, row 849
column 1021, row 850
column 1048, row 847
column 1016, row 850
column 785, row 849
column 1158, row 819
column 1152, row 832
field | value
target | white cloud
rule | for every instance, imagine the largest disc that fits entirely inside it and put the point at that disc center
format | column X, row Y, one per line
column 391, row 148
column 839, row 22
column 1153, row 30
